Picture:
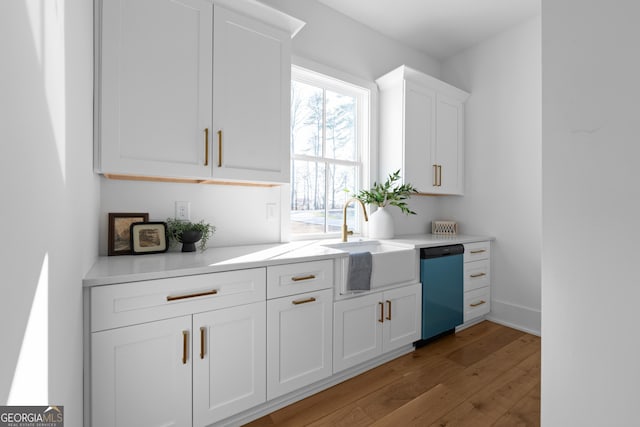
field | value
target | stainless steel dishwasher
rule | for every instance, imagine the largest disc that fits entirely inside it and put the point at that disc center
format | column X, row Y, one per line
column 442, row 277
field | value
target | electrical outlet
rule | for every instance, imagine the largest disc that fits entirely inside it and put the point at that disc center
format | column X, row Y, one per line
column 183, row 211
column 271, row 211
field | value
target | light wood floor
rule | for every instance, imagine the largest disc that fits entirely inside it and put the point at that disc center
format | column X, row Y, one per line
column 487, row 375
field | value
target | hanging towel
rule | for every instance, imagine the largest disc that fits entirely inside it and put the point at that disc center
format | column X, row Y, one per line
column 359, row 278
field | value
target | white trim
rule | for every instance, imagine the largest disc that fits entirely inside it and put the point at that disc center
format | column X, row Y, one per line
column 516, row 316
column 366, row 93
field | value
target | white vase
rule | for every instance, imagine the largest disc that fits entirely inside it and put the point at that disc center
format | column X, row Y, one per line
column 381, row 224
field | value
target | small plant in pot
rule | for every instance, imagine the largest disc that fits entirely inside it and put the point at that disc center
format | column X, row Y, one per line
column 383, row 195
column 189, row 233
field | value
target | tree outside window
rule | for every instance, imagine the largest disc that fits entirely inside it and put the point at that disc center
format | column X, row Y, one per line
column 326, row 148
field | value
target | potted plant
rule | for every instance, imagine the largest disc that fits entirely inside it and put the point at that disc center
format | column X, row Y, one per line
column 188, row 233
column 383, row 195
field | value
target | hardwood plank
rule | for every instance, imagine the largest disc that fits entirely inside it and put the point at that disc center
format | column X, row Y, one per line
column 433, row 404
column 478, row 350
column 484, row 375
column 394, row 395
column 488, row 405
column 524, row 413
column 314, row 407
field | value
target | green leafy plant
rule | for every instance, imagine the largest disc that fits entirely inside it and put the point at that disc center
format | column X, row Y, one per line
column 382, row 195
column 176, row 227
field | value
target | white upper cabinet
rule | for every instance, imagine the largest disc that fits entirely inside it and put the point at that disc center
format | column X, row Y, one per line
column 155, row 87
column 422, row 131
column 252, row 81
column 192, row 89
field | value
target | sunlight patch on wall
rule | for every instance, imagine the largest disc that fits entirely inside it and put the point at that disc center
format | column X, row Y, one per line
column 30, row 385
column 46, row 18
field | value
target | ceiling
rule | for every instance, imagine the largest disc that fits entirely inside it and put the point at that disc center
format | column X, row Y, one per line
column 439, row 28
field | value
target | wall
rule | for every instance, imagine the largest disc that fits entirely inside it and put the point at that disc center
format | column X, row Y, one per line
column 239, row 213
column 503, row 165
column 335, row 40
column 50, row 199
column 590, row 233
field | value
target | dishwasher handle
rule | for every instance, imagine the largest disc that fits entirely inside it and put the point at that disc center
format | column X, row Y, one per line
column 441, row 251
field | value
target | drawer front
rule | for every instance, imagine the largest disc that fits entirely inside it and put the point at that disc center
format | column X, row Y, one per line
column 137, row 302
column 476, row 274
column 477, row 251
column 291, row 279
column 476, row 303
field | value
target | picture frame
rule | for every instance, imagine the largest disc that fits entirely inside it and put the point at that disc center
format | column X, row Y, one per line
column 119, row 239
column 148, row 238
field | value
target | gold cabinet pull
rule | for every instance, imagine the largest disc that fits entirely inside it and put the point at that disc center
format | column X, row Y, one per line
column 220, row 148
column 301, row 278
column 478, row 303
column 185, row 344
column 478, row 251
column 381, row 319
column 389, row 310
column 303, row 301
column 477, row 275
column 198, row 294
column 439, row 175
column 202, row 329
column 435, row 175
column 206, row 146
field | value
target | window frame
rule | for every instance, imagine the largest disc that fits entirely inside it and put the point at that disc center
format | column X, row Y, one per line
column 323, row 77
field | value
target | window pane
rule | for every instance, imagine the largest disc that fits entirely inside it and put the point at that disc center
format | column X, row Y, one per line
column 307, row 197
column 307, row 105
column 341, row 130
column 342, row 186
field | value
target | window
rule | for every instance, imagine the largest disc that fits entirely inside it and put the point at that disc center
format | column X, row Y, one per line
column 329, row 122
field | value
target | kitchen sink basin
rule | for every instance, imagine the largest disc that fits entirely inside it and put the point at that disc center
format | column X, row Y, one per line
column 392, row 264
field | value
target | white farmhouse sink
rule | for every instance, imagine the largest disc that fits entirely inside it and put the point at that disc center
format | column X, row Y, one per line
column 392, row 264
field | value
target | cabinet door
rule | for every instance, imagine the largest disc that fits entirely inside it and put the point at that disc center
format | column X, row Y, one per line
column 141, row 375
column 402, row 320
column 419, row 135
column 155, row 87
column 299, row 332
column 252, row 73
column 448, row 150
column 357, row 330
column 229, row 349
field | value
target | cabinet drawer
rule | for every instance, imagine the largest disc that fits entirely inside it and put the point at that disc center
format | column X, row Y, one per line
column 476, row 303
column 137, row 302
column 477, row 251
column 291, row 279
column 476, row 274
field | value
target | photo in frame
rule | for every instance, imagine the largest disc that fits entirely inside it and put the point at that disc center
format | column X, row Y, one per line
column 148, row 237
column 120, row 229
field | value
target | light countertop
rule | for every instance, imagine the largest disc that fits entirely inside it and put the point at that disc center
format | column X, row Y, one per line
column 132, row 268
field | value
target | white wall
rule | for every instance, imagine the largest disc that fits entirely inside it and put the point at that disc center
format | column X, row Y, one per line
column 50, row 199
column 503, row 165
column 335, row 40
column 239, row 213
column 591, row 194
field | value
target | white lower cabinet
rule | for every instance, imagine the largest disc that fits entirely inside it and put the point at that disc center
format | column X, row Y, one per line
column 477, row 280
column 371, row 325
column 229, row 373
column 186, row 351
column 299, row 341
column 141, row 375
column 144, row 375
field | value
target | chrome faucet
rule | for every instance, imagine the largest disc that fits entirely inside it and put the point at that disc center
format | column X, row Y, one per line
column 345, row 230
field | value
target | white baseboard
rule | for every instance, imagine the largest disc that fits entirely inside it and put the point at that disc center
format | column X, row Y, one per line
column 515, row 316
